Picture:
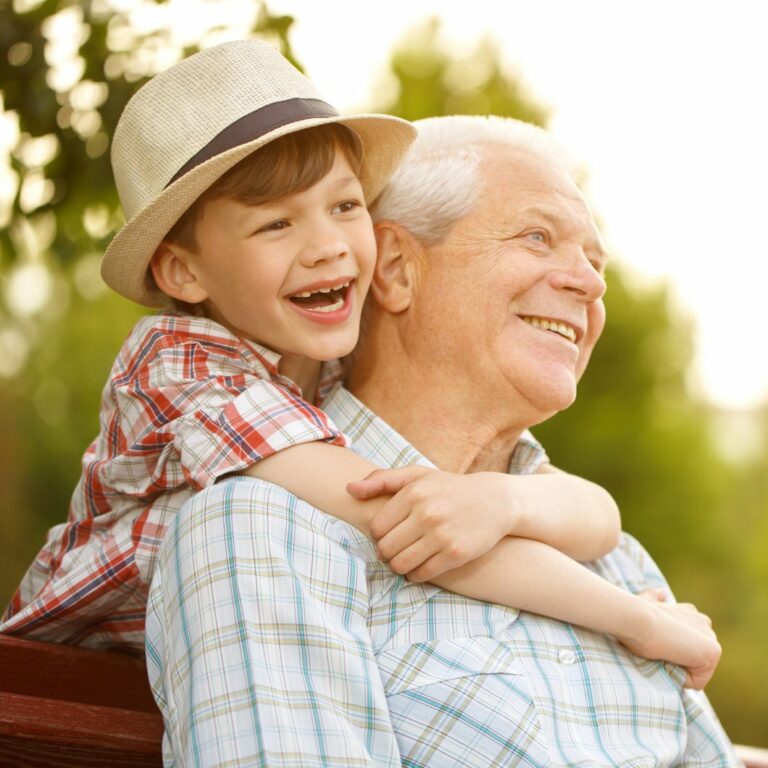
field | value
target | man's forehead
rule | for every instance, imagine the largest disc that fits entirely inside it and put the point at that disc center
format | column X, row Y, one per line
column 527, row 170
column 536, row 183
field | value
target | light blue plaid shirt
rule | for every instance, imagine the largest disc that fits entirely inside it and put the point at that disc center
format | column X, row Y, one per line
column 269, row 620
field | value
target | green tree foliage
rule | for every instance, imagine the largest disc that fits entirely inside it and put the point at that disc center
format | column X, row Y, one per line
column 66, row 71
column 634, row 428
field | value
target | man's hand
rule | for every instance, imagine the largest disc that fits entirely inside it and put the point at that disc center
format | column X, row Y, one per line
column 679, row 633
column 436, row 521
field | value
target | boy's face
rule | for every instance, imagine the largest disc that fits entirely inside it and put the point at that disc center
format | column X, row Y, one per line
column 292, row 273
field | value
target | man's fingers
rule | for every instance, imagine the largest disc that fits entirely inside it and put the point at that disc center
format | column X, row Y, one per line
column 385, row 481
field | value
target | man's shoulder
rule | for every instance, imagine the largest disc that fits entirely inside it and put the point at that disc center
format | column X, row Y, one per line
column 265, row 502
column 630, row 566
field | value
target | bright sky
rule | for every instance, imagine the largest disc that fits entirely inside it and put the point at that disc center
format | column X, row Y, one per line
column 665, row 104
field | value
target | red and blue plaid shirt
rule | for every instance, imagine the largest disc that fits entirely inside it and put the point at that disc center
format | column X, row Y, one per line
column 186, row 402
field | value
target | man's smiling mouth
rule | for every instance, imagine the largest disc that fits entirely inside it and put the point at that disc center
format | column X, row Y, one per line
column 323, row 299
column 556, row 326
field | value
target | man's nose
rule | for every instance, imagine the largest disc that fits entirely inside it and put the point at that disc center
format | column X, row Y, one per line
column 581, row 277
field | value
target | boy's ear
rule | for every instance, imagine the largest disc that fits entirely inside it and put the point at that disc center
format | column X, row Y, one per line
column 394, row 276
column 174, row 275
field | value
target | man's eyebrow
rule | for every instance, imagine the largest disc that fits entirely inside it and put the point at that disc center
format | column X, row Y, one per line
column 544, row 211
column 555, row 216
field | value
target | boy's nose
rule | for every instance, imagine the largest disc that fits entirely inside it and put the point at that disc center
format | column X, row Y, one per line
column 323, row 249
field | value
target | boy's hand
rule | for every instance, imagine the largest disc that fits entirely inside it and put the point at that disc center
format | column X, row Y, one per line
column 436, row 521
column 679, row 633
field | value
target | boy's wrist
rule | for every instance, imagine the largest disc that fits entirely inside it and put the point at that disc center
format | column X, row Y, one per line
column 516, row 521
column 636, row 624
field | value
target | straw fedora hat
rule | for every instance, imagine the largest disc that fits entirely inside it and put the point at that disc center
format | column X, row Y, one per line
column 190, row 124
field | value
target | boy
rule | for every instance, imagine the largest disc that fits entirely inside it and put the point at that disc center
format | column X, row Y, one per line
column 245, row 197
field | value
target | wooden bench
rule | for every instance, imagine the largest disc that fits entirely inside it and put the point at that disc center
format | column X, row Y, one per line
column 63, row 706
column 70, row 707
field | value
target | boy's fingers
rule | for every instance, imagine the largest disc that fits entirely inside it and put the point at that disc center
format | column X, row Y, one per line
column 698, row 677
column 385, row 481
column 654, row 595
column 399, row 538
column 410, row 558
column 390, row 515
column 431, row 568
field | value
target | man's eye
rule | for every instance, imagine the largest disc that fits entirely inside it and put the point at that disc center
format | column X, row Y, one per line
column 537, row 236
column 347, row 206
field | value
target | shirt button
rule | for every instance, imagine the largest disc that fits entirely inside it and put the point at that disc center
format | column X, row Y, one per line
column 566, row 656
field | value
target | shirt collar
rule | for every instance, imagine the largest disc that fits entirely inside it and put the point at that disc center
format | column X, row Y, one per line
column 376, row 441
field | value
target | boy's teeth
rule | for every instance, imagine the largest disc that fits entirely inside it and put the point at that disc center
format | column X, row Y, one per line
column 331, row 307
column 307, row 294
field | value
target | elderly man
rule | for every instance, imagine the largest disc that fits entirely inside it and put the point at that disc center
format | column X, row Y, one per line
column 275, row 636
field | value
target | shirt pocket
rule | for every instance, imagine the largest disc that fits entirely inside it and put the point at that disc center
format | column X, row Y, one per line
column 408, row 667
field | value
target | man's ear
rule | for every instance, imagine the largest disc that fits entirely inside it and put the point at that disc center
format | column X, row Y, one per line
column 174, row 275
column 395, row 274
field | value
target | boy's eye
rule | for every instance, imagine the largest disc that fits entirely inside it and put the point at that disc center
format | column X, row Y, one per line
column 273, row 226
column 347, row 206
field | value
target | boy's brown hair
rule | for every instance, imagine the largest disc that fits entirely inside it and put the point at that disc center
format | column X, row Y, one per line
column 285, row 166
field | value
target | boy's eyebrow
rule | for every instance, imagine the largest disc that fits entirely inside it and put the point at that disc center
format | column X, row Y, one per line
column 344, row 181
column 351, row 179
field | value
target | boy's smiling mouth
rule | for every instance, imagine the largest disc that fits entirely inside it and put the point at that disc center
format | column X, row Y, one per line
column 325, row 299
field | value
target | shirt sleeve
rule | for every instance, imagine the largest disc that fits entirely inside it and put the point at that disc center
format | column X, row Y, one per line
column 198, row 411
column 255, row 423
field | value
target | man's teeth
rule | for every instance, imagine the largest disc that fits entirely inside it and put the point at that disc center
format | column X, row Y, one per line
column 552, row 325
column 307, row 294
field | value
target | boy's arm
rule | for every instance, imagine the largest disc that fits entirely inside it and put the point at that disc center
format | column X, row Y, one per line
column 574, row 515
column 518, row 572
column 454, row 517
column 571, row 514
column 534, row 577
column 318, row 473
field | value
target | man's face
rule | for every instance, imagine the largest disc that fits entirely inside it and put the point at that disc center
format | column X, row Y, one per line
column 514, row 293
column 291, row 273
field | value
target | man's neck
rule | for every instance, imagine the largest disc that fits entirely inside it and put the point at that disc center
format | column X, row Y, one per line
column 456, row 436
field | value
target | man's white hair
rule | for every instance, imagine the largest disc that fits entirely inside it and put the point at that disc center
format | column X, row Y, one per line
column 439, row 180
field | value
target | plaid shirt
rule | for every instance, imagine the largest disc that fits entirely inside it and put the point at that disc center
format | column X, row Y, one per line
column 269, row 621
column 186, row 402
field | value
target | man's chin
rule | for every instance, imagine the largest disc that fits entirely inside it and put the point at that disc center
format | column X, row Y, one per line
column 553, row 398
